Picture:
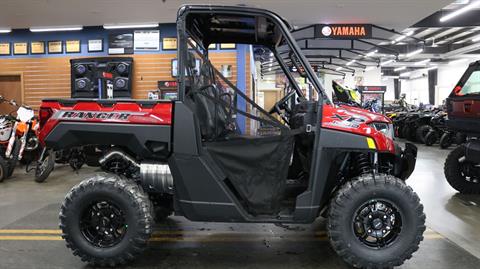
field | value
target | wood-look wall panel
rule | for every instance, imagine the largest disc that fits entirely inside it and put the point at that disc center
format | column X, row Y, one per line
column 50, row 77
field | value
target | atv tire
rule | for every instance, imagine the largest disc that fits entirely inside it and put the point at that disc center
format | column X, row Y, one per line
column 121, row 231
column 352, row 205
column 422, row 132
column 431, row 138
column 3, row 169
column 446, row 140
column 45, row 167
column 455, row 172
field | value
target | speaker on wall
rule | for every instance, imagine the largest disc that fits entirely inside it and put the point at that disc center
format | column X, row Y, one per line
column 87, row 77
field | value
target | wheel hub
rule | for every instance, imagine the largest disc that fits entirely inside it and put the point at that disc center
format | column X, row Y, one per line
column 103, row 224
column 377, row 223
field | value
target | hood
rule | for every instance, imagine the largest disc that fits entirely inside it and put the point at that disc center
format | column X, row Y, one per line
column 366, row 114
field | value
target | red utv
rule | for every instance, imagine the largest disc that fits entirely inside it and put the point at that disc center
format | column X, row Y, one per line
column 462, row 166
column 197, row 156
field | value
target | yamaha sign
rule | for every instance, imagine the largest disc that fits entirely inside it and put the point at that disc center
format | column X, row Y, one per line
column 343, row 31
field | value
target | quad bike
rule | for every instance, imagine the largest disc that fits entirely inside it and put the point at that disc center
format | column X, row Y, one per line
column 191, row 157
column 462, row 166
column 433, row 132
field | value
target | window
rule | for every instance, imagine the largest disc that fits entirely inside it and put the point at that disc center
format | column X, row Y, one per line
column 472, row 86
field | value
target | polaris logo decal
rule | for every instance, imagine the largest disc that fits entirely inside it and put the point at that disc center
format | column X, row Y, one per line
column 94, row 115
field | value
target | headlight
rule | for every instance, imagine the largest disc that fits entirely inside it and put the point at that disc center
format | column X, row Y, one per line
column 385, row 128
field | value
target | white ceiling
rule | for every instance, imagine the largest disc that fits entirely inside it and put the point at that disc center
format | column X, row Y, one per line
column 397, row 14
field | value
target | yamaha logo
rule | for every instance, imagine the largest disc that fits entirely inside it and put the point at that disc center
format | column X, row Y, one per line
column 326, row 30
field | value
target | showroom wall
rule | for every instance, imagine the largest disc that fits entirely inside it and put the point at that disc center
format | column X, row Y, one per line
column 48, row 75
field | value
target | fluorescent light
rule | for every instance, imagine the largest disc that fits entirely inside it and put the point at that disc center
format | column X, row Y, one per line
column 5, row 30
column 431, row 68
column 369, row 68
column 400, row 38
column 387, row 62
column 399, row 68
column 460, row 11
column 422, row 62
column 338, row 69
column 271, row 54
column 55, row 29
column 475, row 39
column 371, row 53
column 126, row 26
column 269, row 69
column 414, row 53
column 351, row 62
column 457, row 61
column 405, row 74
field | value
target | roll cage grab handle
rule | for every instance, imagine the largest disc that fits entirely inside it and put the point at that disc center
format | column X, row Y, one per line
column 182, row 48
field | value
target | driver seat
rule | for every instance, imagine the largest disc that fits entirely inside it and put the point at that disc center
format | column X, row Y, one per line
column 211, row 114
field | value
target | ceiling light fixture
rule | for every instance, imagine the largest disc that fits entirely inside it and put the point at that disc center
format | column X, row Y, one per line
column 351, row 62
column 127, row 26
column 370, row 68
column 5, row 30
column 422, row 62
column 460, row 11
column 414, row 53
column 475, row 39
column 338, row 68
column 400, row 38
column 371, row 53
column 399, row 68
column 431, row 68
column 456, row 61
column 387, row 62
column 56, row 28
column 405, row 74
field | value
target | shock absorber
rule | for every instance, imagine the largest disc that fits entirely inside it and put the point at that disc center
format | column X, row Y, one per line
column 363, row 164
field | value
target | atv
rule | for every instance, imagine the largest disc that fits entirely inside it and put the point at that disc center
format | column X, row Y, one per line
column 462, row 166
column 197, row 157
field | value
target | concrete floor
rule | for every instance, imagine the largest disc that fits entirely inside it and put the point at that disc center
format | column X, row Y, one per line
column 29, row 235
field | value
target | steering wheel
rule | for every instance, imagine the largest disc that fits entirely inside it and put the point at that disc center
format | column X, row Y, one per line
column 282, row 105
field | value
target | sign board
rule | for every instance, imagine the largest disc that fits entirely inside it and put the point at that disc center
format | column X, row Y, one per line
column 5, row 48
column 72, row 46
column 167, row 84
column 146, row 40
column 343, row 31
column 37, row 47
column 121, row 43
column 169, row 43
column 55, row 47
column 20, row 48
column 372, row 89
column 95, row 45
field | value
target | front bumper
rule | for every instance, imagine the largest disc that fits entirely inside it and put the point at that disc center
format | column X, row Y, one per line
column 405, row 160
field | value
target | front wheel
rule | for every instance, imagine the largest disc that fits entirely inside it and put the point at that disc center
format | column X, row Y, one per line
column 45, row 167
column 375, row 221
column 446, row 140
column 431, row 138
column 461, row 174
column 106, row 220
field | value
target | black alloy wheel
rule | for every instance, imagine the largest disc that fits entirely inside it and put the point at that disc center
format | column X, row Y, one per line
column 461, row 174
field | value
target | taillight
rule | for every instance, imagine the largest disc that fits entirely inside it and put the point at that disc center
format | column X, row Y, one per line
column 457, row 91
column 44, row 114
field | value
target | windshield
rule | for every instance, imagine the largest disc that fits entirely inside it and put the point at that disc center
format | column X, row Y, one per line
column 472, row 86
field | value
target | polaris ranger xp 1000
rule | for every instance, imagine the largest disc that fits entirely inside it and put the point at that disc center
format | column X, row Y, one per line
column 214, row 155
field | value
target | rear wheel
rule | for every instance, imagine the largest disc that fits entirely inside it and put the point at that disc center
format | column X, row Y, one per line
column 106, row 220
column 12, row 162
column 375, row 222
column 431, row 138
column 446, row 140
column 462, row 175
column 421, row 132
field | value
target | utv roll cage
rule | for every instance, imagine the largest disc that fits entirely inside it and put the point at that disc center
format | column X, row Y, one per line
column 218, row 24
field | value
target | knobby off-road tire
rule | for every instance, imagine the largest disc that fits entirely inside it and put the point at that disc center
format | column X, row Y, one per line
column 3, row 169
column 421, row 132
column 342, row 217
column 127, row 199
column 446, row 140
column 455, row 175
column 45, row 168
column 430, row 138
column 12, row 162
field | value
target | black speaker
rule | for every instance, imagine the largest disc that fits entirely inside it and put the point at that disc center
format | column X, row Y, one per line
column 88, row 81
